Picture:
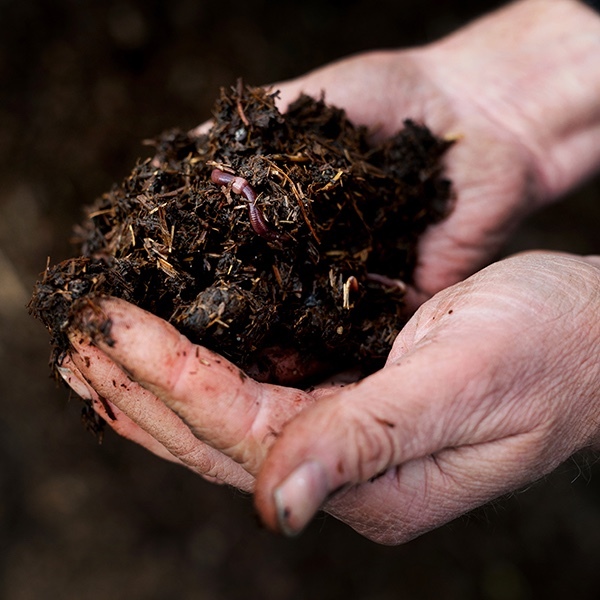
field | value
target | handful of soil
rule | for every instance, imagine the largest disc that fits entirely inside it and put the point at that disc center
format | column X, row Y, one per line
column 269, row 235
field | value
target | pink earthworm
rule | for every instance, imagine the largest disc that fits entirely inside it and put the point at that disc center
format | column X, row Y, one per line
column 240, row 186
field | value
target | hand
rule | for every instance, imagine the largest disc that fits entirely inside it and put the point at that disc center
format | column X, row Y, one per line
column 489, row 386
column 519, row 91
column 492, row 384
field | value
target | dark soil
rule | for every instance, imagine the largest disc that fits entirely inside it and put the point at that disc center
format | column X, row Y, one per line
column 82, row 83
column 320, row 256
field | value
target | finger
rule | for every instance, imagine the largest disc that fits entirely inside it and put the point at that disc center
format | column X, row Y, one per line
column 111, row 413
column 214, row 398
column 399, row 414
column 138, row 415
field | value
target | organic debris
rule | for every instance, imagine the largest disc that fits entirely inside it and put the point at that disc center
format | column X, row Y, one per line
column 272, row 234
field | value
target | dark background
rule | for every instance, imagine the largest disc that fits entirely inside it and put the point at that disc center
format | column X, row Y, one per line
column 82, row 83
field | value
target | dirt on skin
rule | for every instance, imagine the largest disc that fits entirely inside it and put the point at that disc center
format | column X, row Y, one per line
column 271, row 235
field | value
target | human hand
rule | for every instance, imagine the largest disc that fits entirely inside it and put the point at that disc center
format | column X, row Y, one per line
column 518, row 89
column 491, row 384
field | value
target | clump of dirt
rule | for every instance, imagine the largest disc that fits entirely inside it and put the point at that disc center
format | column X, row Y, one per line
column 271, row 234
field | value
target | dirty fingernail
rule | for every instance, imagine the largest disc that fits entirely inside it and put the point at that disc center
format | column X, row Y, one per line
column 80, row 387
column 300, row 496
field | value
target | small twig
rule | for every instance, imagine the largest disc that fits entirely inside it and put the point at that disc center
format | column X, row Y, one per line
column 171, row 193
column 238, row 103
column 351, row 284
column 298, row 197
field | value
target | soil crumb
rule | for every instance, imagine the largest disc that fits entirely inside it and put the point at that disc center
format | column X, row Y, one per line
column 271, row 236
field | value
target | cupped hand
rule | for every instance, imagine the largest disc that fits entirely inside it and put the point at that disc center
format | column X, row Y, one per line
column 489, row 166
column 518, row 91
column 491, row 384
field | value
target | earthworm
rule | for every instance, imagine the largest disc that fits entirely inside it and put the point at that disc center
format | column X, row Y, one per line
column 240, row 186
column 387, row 281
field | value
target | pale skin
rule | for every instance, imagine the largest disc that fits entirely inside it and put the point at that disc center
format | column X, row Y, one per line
column 494, row 381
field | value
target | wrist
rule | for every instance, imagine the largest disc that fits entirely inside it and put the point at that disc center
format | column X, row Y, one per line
column 532, row 69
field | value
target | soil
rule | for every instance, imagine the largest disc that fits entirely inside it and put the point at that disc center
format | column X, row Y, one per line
column 83, row 82
column 269, row 228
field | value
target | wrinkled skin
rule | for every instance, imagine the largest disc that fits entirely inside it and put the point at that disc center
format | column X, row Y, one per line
column 491, row 384
column 494, row 380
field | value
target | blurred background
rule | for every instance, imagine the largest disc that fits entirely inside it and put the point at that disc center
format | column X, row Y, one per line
column 82, row 83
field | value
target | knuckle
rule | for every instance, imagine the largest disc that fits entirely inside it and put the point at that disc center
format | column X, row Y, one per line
column 373, row 443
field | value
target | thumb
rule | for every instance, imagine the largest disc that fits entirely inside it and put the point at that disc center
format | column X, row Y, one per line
column 346, row 439
column 442, row 391
column 414, row 407
column 478, row 397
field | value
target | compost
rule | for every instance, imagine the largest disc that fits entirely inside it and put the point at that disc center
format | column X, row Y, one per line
column 272, row 235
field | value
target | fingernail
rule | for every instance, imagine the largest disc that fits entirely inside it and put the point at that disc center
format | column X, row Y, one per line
column 300, row 496
column 81, row 388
